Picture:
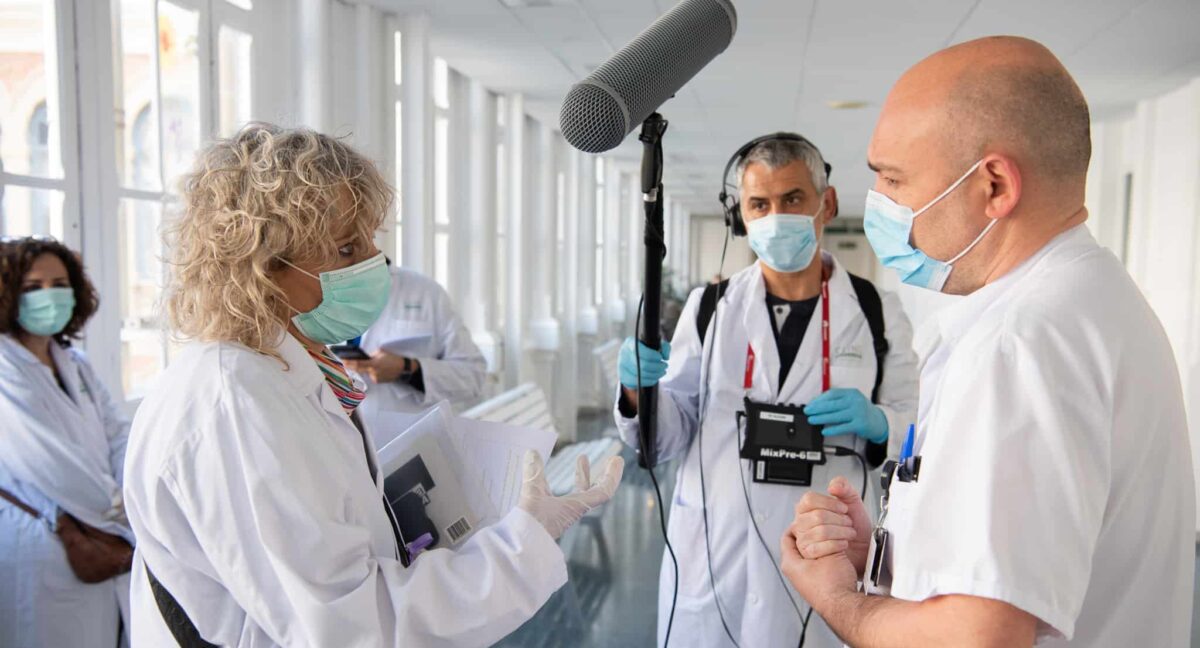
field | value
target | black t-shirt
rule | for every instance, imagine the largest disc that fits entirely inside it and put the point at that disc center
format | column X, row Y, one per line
column 789, row 321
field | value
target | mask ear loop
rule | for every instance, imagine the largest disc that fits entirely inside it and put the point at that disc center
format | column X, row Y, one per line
column 948, row 190
column 974, row 243
column 298, row 269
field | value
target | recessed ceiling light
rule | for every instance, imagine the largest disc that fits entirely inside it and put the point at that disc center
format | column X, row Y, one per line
column 847, row 104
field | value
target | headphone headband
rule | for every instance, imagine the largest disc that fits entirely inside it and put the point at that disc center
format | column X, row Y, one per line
column 733, row 213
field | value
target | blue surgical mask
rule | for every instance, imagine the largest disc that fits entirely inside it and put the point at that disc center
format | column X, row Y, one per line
column 351, row 300
column 46, row 311
column 888, row 225
column 785, row 242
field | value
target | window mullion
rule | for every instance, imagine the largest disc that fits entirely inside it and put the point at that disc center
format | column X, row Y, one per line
column 206, row 56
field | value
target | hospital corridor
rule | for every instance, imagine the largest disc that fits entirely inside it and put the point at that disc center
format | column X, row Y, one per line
column 599, row 323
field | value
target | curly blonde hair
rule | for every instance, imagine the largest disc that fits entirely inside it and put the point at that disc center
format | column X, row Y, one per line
column 265, row 195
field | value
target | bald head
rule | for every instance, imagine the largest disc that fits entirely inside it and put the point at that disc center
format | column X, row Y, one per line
column 1001, row 121
column 1007, row 94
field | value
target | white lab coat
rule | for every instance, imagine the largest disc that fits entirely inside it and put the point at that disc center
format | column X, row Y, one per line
column 1055, row 467
column 58, row 452
column 753, row 598
column 451, row 365
column 256, row 504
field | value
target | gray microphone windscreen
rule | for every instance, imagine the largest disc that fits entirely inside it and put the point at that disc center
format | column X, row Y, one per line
column 606, row 106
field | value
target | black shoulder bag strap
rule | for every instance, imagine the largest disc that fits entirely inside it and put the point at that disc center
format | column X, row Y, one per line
column 708, row 306
column 872, row 308
column 178, row 622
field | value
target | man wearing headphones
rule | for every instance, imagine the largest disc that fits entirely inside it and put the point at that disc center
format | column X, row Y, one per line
column 792, row 338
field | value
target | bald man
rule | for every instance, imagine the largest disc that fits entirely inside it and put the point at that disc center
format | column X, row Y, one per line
column 1047, row 495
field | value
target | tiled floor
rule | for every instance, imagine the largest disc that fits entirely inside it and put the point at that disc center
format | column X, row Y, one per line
column 616, row 607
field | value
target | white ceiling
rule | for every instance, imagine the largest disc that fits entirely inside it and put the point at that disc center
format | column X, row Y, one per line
column 790, row 57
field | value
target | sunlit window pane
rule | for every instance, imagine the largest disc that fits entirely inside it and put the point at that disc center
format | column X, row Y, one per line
column 441, row 263
column 398, row 39
column 29, row 106
column 26, row 212
column 501, row 283
column 140, row 262
column 179, row 76
column 135, row 89
column 399, row 260
column 560, row 216
column 234, row 93
column 441, row 174
column 441, row 83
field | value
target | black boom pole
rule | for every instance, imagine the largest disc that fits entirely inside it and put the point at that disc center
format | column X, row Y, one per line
column 656, row 251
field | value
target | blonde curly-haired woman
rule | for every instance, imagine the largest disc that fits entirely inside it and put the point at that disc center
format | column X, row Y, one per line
column 256, row 500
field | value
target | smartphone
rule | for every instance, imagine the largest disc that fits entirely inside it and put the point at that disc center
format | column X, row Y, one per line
column 349, row 352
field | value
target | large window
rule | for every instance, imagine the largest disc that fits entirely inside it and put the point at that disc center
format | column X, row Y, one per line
column 397, row 94
column 502, row 189
column 598, row 218
column 441, row 172
column 560, row 242
column 183, row 73
column 34, row 182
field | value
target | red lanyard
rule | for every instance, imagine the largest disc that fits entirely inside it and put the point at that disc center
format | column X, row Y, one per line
column 826, row 383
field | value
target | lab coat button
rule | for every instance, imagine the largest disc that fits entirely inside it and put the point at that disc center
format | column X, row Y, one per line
column 753, row 599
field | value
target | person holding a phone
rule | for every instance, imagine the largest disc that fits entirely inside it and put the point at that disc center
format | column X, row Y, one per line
column 417, row 354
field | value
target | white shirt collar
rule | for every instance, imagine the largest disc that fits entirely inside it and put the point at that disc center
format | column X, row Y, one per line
column 956, row 319
column 301, row 370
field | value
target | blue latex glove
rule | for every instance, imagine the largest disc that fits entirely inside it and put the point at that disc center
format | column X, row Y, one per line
column 848, row 411
column 654, row 364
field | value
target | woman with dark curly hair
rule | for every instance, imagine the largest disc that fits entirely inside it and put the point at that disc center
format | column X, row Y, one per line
column 65, row 543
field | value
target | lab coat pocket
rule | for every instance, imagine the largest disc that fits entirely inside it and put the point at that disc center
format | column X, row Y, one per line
column 685, row 530
column 851, row 355
column 901, row 502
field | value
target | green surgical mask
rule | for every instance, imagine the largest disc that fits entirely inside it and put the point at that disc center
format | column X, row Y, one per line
column 351, row 300
column 46, row 311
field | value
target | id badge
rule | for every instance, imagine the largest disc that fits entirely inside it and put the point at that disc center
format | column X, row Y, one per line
column 878, row 579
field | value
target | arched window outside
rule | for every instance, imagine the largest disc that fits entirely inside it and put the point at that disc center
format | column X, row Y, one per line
column 37, row 136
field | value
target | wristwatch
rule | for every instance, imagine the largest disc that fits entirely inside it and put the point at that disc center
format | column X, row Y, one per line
column 409, row 369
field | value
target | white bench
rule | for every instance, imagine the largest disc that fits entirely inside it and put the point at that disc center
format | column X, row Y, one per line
column 526, row 405
column 606, row 357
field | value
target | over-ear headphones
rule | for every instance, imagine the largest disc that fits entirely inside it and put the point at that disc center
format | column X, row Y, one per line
column 730, row 204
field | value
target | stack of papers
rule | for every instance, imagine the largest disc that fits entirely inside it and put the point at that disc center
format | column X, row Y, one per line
column 478, row 462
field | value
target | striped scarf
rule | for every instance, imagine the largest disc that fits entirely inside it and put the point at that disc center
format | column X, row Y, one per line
column 348, row 394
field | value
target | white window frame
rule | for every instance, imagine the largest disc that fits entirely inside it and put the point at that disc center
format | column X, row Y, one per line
column 443, row 202
column 393, row 243
column 62, row 60
column 84, row 59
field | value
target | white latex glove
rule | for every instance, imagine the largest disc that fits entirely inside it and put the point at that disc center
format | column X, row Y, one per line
column 557, row 514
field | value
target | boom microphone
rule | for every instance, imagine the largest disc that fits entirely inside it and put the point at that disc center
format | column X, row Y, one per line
column 613, row 100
